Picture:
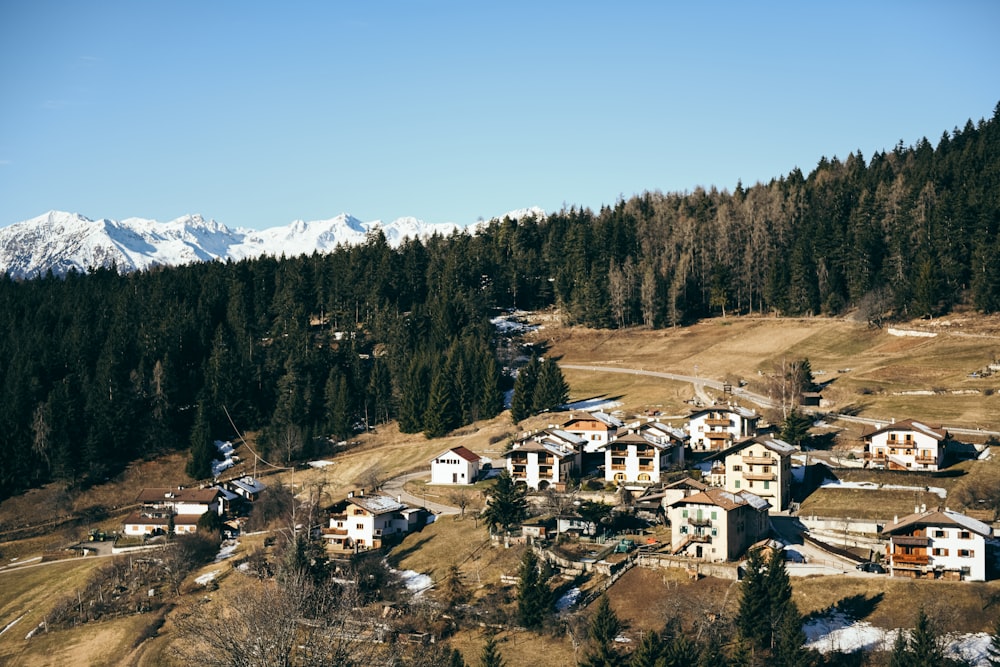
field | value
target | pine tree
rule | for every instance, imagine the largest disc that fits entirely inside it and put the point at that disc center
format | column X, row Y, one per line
column 507, row 505
column 925, row 648
column 490, row 657
column 681, row 652
column 795, row 428
column 456, row 659
column 901, row 655
column 199, row 465
column 522, row 403
column 551, row 389
column 789, row 640
column 648, row 652
column 440, row 417
column 993, row 652
column 534, row 598
column 604, row 627
column 753, row 620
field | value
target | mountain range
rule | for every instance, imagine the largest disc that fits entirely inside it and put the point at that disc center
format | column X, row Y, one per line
column 61, row 242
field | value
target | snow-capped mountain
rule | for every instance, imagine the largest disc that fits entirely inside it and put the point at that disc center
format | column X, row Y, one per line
column 63, row 241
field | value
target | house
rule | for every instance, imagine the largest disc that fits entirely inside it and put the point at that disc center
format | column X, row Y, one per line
column 906, row 445
column 682, row 488
column 162, row 507
column 596, row 428
column 717, row 525
column 637, row 459
column 937, row 544
column 362, row 522
column 717, row 427
column 458, row 465
column 247, row 488
column 545, row 459
column 763, row 466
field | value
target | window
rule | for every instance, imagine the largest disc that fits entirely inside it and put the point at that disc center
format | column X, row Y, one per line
column 736, row 483
column 940, row 552
column 965, row 553
column 737, row 468
column 359, row 526
column 715, row 532
column 767, row 485
column 684, row 514
column 964, row 535
column 939, row 533
column 684, row 530
column 714, row 516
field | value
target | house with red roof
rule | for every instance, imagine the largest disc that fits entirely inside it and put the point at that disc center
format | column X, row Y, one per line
column 458, row 465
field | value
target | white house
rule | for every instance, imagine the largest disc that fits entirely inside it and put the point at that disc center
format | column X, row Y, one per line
column 906, row 445
column 363, row 522
column 634, row 458
column 458, row 465
column 717, row 525
column 545, row 459
column 717, row 427
column 763, row 466
column 248, row 488
column 937, row 544
column 596, row 428
column 181, row 507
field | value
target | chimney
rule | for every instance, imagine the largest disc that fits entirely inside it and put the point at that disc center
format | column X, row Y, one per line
column 399, row 499
column 895, row 518
column 923, row 508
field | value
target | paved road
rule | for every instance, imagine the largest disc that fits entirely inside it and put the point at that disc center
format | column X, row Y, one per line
column 758, row 399
column 394, row 488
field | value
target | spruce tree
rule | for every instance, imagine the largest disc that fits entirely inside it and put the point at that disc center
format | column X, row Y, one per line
column 440, row 417
column 506, row 505
column 523, row 401
column 648, row 651
column 199, row 465
column 490, row 657
column 551, row 390
column 754, row 617
column 534, row 599
column 604, row 627
column 795, row 428
column 456, row 659
column 925, row 648
column 993, row 652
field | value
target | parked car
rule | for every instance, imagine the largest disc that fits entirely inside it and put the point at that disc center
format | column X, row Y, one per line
column 874, row 568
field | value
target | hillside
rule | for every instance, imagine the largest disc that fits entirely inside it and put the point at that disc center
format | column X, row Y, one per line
column 883, row 366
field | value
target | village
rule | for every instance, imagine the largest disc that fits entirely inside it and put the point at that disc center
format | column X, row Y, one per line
column 614, row 498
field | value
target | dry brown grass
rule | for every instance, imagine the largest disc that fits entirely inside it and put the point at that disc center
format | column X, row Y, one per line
column 881, row 365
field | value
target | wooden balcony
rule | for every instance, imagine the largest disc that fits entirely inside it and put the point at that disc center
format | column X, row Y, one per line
column 695, row 521
column 700, row 538
column 874, row 457
column 759, row 460
column 618, row 466
column 760, row 476
column 718, row 422
column 647, row 468
column 925, row 460
column 544, row 472
column 910, row 559
column 519, row 474
column 718, row 435
column 645, row 453
column 338, row 517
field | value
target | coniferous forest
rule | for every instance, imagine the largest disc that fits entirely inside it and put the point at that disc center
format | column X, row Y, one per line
column 99, row 369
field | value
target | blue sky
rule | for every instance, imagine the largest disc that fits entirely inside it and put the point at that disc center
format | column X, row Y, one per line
column 260, row 113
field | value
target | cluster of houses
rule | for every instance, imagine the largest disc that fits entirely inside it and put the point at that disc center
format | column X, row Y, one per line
column 747, row 475
column 162, row 510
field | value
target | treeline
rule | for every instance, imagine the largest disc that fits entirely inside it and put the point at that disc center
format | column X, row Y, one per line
column 99, row 369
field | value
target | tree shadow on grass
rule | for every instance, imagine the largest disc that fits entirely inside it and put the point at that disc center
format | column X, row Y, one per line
column 396, row 556
column 847, row 610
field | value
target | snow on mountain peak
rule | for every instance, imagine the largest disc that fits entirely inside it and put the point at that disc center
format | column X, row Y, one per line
column 61, row 241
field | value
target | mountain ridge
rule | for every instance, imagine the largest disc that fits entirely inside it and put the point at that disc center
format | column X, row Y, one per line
column 62, row 242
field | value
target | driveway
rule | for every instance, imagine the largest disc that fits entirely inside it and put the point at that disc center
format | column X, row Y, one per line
column 394, row 488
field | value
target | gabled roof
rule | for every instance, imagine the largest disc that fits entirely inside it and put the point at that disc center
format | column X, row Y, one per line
column 377, row 504
column 911, row 425
column 937, row 517
column 687, row 483
column 726, row 500
column 633, row 438
column 776, row 445
column 680, row 435
column 177, row 495
column 462, row 452
column 740, row 411
column 544, row 445
column 249, row 484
